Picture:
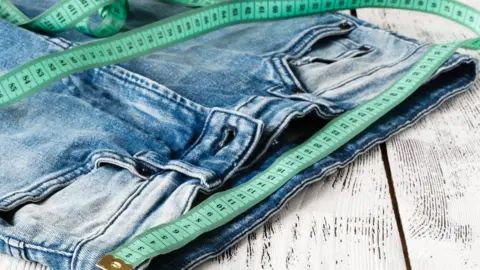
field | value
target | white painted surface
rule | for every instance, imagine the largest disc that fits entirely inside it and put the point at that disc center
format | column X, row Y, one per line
column 10, row 263
column 347, row 222
column 435, row 164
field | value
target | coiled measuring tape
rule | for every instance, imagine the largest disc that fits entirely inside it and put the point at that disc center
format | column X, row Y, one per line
column 69, row 13
column 224, row 206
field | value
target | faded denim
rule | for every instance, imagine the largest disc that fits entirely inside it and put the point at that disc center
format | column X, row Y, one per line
column 100, row 156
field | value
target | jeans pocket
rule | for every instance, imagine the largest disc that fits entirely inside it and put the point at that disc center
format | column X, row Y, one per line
column 352, row 64
column 42, row 187
column 76, row 205
column 304, row 67
column 318, row 52
column 315, row 70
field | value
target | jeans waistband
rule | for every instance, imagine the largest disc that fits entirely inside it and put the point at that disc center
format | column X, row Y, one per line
column 226, row 141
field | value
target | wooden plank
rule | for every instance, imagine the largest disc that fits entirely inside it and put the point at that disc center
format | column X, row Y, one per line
column 435, row 163
column 10, row 263
column 344, row 222
column 334, row 224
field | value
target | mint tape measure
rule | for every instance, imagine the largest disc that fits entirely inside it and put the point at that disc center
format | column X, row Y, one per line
column 45, row 70
column 224, row 206
column 69, row 13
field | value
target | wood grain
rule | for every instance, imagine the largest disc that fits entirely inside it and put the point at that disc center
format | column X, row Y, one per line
column 345, row 222
column 10, row 263
column 434, row 164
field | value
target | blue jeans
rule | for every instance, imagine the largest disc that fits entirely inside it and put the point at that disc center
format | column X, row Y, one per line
column 102, row 155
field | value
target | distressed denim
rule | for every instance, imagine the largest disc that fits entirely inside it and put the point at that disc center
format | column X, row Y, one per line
column 98, row 157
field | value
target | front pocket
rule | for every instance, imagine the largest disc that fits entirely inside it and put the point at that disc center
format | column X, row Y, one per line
column 42, row 187
column 319, row 70
column 330, row 50
column 75, row 212
column 304, row 67
column 340, row 71
column 322, row 65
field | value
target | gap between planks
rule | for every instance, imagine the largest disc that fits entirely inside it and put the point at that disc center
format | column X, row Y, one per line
column 433, row 165
column 398, row 219
column 391, row 189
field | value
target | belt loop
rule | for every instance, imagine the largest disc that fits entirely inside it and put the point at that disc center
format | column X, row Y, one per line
column 227, row 140
column 16, row 248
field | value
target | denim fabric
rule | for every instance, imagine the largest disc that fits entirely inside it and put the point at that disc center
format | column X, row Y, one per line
column 100, row 156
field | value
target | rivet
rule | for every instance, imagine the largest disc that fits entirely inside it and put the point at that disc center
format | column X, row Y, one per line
column 345, row 25
column 364, row 48
column 299, row 91
column 144, row 170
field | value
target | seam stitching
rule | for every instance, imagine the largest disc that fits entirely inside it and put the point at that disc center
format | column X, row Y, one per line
column 370, row 72
column 187, row 166
column 324, row 105
column 303, row 110
column 236, row 158
column 49, row 183
column 87, row 165
column 326, row 171
column 312, row 34
column 4, row 239
column 109, row 223
column 188, row 103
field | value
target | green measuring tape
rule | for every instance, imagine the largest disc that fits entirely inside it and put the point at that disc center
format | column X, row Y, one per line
column 224, row 206
column 45, row 70
column 69, row 13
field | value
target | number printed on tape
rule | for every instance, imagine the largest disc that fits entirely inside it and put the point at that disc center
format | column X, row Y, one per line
column 224, row 206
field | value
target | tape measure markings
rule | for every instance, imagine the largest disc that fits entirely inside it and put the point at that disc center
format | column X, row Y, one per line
column 224, row 206
column 167, row 32
column 9, row 12
column 69, row 13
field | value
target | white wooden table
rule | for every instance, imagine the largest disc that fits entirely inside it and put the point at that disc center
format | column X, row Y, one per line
column 411, row 203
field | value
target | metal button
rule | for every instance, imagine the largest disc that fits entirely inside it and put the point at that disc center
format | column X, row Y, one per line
column 345, row 25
